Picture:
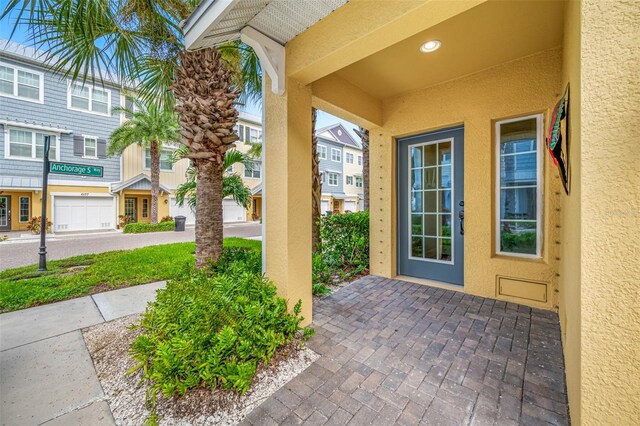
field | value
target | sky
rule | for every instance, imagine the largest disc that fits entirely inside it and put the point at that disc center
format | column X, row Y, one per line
column 324, row 119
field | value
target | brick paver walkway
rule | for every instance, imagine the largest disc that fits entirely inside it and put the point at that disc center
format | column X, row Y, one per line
column 399, row 353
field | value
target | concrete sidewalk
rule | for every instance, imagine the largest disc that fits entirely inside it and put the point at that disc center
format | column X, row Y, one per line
column 47, row 374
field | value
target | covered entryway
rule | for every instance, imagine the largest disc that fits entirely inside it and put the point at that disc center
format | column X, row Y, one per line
column 431, row 206
column 83, row 212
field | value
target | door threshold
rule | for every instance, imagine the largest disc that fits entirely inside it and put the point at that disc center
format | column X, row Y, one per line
column 431, row 283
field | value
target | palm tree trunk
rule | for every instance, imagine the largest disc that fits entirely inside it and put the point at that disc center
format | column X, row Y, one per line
column 364, row 138
column 316, row 185
column 154, row 151
column 209, row 225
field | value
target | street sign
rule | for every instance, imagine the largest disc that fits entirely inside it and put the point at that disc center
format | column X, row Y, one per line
column 75, row 169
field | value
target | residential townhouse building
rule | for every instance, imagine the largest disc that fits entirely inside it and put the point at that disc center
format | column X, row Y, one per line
column 36, row 102
column 340, row 170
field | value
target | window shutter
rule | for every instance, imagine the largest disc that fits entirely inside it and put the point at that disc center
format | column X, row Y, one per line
column 78, row 145
column 241, row 132
column 102, row 148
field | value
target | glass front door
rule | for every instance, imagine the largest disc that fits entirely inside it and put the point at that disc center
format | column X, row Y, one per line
column 5, row 213
column 130, row 208
column 430, row 206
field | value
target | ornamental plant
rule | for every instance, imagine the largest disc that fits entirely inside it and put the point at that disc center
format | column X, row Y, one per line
column 34, row 225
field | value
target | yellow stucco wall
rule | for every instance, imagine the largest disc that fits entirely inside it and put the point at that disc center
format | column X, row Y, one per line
column 526, row 86
column 610, row 212
column 569, row 300
column 139, row 195
column 34, row 211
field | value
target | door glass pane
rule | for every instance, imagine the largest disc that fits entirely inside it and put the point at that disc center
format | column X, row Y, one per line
column 4, row 206
column 431, row 200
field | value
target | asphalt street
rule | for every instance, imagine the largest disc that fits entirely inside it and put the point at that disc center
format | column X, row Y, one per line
column 23, row 253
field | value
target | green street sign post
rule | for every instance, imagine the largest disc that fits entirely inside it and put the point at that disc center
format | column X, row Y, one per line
column 75, row 169
column 42, row 261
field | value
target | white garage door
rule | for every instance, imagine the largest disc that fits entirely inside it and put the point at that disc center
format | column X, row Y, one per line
column 324, row 206
column 83, row 213
column 350, row 206
column 176, row 210
column 233, row 212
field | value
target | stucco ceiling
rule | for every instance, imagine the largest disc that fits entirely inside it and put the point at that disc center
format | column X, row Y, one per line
column 487, row 35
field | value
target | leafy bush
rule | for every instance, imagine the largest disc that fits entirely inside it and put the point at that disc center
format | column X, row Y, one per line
column 34, row 225
column 213, row 331
column 124, row 220
column 345, row 240
column 167, row 219
column 321, row 275
column 524, row 242
column 231, row 257
column 143, row 227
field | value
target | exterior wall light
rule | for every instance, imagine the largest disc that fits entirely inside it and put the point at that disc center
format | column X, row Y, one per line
column 430, row 46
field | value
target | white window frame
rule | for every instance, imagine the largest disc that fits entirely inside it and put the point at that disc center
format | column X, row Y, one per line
column 539, row 185
column 7, row 151
column 123, row 104
column 70, row 85
column 338, row 158
column 144, row 159
column 19, row 209
column 84, row 146
column 322, row 149
column 255, row 135
column 348, row 155
column 16, row 68
column 349, row 180
column 361, row 180
column 244, row 173
column 330, row 175
column 144, row 201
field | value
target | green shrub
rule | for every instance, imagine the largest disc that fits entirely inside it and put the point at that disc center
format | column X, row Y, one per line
column 143, row 227
column 321, row 275
column 345, row 240
column 213, row 330
column 250, row 260
column 167, row 219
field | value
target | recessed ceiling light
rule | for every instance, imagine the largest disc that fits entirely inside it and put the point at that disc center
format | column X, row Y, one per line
column 430, row 46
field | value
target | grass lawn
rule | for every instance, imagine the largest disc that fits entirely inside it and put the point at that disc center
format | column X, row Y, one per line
column 82, row 275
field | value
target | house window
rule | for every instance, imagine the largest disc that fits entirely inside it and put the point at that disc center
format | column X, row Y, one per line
column 24, row 209
column 349, row 158
column 255, row 135
column 322, row 152
column 145, row 207
column 358, row 182
column 349, row 180
column 336, row 155
column 359, row 160
column 166, row 163
column 519, row 186
column 252, row 169
column 131, row 107
column 333, row 179
column 20, row 83
column 90, row 147
column 28, row 144
column 89, row 99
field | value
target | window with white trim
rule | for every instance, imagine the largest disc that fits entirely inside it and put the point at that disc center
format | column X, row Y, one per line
column 255, row 135
column 519, row 186
column 90, row 147
column 349, row 158
column 333, row 179
column 358, row 181
column 349, row 180
column 24, row 209
column 359, row 160
column 336, row 155
column 29, row 144
column 89, row 99
column 252, row 169
column 20, row 83
column 322, row 152
column 166, row 163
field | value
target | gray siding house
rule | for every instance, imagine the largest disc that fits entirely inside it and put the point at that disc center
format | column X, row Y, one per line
column 34, row 103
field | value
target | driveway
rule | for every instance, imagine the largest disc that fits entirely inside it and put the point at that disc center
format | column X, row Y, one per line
column 23, row 253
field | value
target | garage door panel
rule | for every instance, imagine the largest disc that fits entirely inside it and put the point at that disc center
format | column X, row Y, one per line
column 176, row 210
column 83, row 213
column 233, row 212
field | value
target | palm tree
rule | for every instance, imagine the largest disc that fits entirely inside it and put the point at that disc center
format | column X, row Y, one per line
column 364, row 139
column 232, row 184
column 140, row 44
column 149, row 126
column 316, row 185
column 205, row 102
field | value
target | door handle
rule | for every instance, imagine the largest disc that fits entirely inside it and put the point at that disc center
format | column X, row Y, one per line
column 461, row 216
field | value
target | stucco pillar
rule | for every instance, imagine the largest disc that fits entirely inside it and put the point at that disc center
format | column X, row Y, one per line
column 287, row 183
column 382, row 187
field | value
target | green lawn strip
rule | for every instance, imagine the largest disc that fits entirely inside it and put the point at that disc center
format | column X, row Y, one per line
column 82, row 275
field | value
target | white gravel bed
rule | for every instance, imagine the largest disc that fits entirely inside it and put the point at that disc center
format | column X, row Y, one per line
column 108, row 344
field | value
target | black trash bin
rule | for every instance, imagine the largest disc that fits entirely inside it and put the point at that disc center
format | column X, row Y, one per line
column 180, row 222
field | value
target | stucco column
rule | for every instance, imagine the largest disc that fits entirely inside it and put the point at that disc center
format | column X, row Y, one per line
column 382, row 187
column 287, row 151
